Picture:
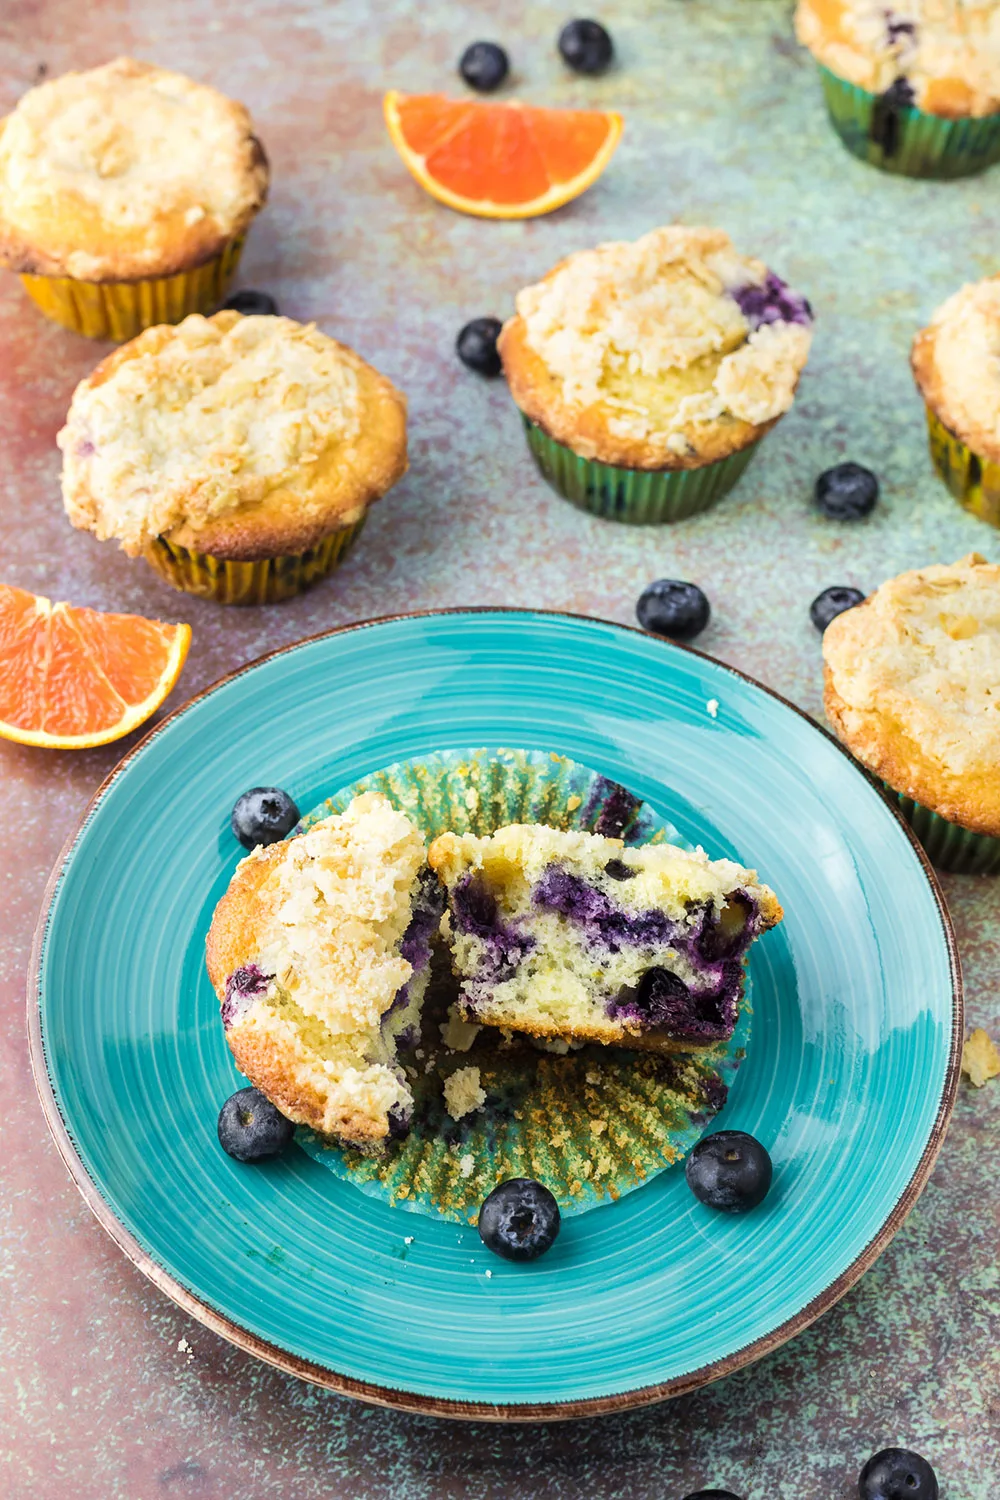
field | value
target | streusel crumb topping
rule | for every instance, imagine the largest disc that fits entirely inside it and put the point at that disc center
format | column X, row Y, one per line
column 672, row 312
column 338, row 903
column 196, row 420
column 946, row 52
column 964, row 335
column 96, row 166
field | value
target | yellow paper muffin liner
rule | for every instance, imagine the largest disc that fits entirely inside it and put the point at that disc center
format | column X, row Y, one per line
column 593, row 1123
column 974, row 481
column 119, row 310
column 267, row 581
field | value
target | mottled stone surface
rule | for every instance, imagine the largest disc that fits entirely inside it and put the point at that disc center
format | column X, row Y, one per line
column 724, row 124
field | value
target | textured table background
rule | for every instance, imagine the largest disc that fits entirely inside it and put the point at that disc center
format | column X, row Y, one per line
column 724, row 125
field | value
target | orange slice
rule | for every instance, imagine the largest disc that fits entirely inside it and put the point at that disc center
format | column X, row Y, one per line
column 73, row 678
column 500, row 161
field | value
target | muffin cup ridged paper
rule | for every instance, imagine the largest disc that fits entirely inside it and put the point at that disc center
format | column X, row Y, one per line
column 948, row 846
column 974, row 481
column 267, row 581
column 639, row 496
column 903, row 139
column 592, row 1124
column 119, row 310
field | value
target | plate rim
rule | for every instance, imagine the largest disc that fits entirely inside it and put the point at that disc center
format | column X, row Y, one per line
column 450, row 1407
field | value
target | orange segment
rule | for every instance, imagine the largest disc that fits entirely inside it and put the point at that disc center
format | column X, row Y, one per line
column 74, row 678
column 500, row 161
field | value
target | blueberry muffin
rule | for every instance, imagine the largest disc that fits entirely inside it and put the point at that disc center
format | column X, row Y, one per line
column 912, row 87
column 580, row 937
column 955, row 366
column 319, row 953
column 238, row 455
column 911, row 690
column 647, row 372
column 125, row 196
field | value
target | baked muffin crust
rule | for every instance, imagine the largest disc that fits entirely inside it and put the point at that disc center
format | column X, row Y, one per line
column 669, row 352
column 956, row 364
column 948, row 51
column 304, row 956
column 913, row 688
column 124, row 172
column 243, row 437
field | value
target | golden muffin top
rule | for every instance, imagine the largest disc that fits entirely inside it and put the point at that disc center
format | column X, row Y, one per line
column 956, row 361
column 123, row 172
column 230, row 426
column 913, row 687
column 946, row 51
column 629, row 351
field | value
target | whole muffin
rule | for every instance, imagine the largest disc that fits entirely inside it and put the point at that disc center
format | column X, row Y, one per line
column 955, row 366
column 319, row 955
column 912, row 680
column 125, row 195
column 913, row 87
column 238, row 455
column 648, row 371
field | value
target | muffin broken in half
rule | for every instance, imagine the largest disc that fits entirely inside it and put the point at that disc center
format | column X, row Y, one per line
column 319, row 952
column 572, row 935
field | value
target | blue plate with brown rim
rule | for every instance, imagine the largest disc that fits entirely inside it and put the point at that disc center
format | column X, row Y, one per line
column 849, row 1081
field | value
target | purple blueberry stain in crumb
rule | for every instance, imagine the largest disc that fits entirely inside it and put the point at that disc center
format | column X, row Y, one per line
column 242, row 987
column 475, row 911
column 715, row 1091
column 899, row 28
column 662, row 1001
column 603, row 923
column 773, row 301
column 400, row 1118
column 85, row 448
column 724, row 934
column 428, row 904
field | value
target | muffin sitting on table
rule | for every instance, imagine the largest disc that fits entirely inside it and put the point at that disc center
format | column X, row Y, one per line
column 913, row 690
column 125, row 196
column 238, row 455
column 913, row 87
column 648, row 372
column 955, row 366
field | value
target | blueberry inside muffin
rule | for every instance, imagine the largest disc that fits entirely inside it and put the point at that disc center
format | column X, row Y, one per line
column 577, row 936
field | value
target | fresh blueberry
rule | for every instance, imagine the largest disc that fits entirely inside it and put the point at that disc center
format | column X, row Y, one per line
column 519, row 1220
column 619, row 870
column 484, row 66
column 585, row 46
column 251, row 1128
column 729, row 1170
column 712, row 1495
column 831, row 603
column 251, row 304
column 847, row 492
column 670, row 607
column 897, row 1474
column 477, row 345
column 263, row 815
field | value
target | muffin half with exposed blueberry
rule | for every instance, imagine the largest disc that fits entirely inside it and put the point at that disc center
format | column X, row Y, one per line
column 126, row 193
column 648, row 372
column 238, row 455
column 955, row 366
column 912, row 88
column 319, row 953
column 911, row 690
column 578, row 937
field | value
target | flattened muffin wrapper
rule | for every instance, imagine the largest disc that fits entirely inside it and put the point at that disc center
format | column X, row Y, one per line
column 268, row 581
column 119, row 310
column 974, row 481
column 636, row 496
column 947, row 845
column 904, row 139
column 593, row 1124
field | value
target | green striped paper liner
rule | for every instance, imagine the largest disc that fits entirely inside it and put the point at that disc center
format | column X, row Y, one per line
column 947, row 845
column 637, row 496
column 906, row 140
column 593, row 1124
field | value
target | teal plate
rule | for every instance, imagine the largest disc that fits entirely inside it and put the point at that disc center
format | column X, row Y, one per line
column 849, row 1082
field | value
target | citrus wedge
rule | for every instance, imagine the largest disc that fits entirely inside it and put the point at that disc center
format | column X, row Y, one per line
column 500, row 161
column 74, row 678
